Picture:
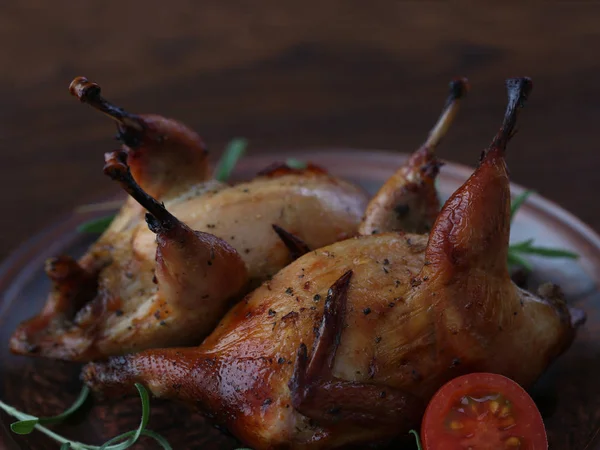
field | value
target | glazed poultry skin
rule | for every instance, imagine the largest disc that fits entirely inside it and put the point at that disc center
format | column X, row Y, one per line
column 314, row 206
column 347, row 344
column 408, row 200
column 114, row 301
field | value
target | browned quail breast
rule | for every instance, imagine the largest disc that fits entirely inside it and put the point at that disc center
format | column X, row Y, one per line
column 117, row 299
column 348, row 343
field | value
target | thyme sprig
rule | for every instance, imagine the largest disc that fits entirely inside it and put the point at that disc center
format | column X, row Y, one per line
column 28, row 423
column 233, row 152
column 518, row 251
column 294, row 163
column 415, row 433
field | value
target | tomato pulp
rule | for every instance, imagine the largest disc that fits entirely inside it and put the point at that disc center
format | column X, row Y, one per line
column 482, row 411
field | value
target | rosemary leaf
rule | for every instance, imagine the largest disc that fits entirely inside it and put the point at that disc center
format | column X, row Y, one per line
column 27, row 423
column 234, row 151
column 518, row 201
column 527, row 247
column 96, row 226
column 515, row 251
column 81, row 398
column 417, row 439
column 294, row 163
column 26, row 426
column 158, row 438
column 136, row 434
column 515, row 260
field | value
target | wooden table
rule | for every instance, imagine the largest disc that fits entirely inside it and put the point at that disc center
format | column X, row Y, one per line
column 293, row 74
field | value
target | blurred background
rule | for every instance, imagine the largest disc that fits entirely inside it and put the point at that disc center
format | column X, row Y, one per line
column 289, row 74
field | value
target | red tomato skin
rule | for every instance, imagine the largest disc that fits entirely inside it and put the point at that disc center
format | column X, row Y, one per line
column 433, row 434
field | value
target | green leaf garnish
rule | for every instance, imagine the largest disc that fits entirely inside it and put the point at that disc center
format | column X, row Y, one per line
column 27, row 423
column 515, row 251
column 136, row 435
column 518, row 201
column 233, row 152
column 158, row 438
column 417, row 438
column 151, row 434
column 24, row 426
column 294, row 163
column 515, row 260
column 81, row 398
column 96, row 226
column 528, row 248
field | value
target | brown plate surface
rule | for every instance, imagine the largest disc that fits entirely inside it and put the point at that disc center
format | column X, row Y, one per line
column 568, row 394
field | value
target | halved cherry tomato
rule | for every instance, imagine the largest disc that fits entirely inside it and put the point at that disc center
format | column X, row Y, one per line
column 482, row 411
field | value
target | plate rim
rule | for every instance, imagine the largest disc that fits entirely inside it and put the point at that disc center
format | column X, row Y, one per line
column 27, row 253
column 542, row 204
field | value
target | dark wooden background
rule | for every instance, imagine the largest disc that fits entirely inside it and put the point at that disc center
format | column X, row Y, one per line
column 293, row 74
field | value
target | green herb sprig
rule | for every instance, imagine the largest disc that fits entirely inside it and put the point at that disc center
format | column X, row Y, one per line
column 518, row 252
column 415, row 433
column 28, row 423
column 96, row 226
column 233, row 152
column 294, row 163
column 26, row 426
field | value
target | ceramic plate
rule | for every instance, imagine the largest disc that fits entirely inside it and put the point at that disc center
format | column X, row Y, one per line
column 568, row 394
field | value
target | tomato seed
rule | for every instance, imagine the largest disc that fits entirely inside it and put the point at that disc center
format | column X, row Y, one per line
column 456, row 425
column 505, row 412
column 494, row 407
column 507, row 423
column 512, row 442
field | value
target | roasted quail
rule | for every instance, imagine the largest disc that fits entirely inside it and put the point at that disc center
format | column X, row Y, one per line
column 124, row 295
column 408, row 200
column 348, row 343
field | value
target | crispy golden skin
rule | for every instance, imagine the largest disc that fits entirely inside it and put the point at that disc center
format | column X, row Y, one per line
column 408, row 200
column 133, row 290
column 348, row 343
